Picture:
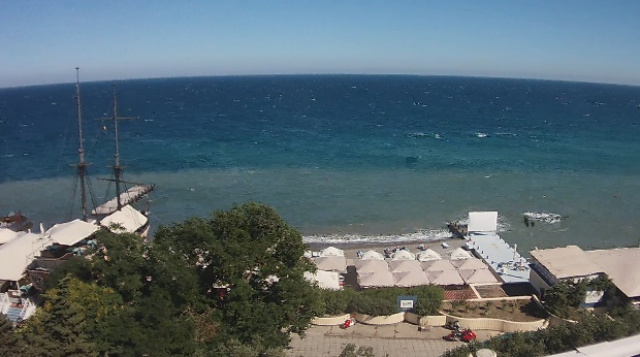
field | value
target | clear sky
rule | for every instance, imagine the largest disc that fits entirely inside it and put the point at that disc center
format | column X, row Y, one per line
column 43, row 41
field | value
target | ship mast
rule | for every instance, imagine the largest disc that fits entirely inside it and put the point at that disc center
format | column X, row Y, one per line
column 117, row 168
column 81, row 165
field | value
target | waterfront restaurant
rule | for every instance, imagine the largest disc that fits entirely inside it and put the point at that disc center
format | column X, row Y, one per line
column 552, row 266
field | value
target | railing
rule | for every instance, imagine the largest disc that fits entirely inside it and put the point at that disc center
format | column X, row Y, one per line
column 4, row 303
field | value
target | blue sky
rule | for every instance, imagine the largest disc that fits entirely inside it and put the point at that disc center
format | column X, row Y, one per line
column 43, row 41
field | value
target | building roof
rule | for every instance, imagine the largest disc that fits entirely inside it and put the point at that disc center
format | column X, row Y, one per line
column 70, row 233
column 566, row 262
column 18, row 253
column 129, row 218
column 621, row 266
column 7, row 235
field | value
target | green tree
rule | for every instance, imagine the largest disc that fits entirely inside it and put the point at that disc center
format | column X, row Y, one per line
column 11, row 343
column 61, row 327
column 254, row 253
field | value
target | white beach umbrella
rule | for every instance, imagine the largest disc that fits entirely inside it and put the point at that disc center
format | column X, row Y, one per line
column 371, row 255
column 427, row 255
column 369, row 266
column 478, row 276
column 471, row 263
column 410, row 278
column 446, row 277
column 437, row 265
column 335, row 263
column 332, row 252
column 375, row 280
column 460, row 254
column 404, row 265
column 403, row 255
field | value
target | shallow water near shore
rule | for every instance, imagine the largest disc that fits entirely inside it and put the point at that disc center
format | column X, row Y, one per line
column 345, row 159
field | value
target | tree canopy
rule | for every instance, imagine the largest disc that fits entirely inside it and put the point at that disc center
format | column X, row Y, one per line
column 230, row 284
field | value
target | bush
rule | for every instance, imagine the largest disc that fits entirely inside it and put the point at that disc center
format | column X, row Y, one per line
column 336, row 302
column 429, row 299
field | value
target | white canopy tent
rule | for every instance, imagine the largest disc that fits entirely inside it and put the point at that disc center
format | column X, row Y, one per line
column 335, row 263
column 372, row 255
column 127, row 220
column 70, row 233
column 410, row 278
column 18, row 253
column 371, row 266
column 427, row 255
column 403, row 255
column 477, row 276
column 404, row 265
column 7, row 235
column 437, row 265
column 328, row 280
column 460, row 254
column 375, row 280
column 332, row 252
column 446, row 277
column 483, row 221
column 471, row 263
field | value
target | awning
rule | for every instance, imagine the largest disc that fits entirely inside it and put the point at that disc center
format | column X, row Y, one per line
column 70, row 233
column 128, row 218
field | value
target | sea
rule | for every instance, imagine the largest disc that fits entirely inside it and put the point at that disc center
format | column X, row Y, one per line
column 345, row 159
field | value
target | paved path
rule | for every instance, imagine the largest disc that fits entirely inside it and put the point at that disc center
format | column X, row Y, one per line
column 401, row 340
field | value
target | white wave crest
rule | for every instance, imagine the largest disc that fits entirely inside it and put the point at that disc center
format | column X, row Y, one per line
column 481, row 135
column 418, row 236
column 544, row 217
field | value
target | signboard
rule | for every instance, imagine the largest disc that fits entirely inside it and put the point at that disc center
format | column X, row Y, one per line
column 407, row 302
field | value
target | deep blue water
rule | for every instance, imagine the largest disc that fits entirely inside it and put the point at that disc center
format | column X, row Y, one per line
column 349, row 156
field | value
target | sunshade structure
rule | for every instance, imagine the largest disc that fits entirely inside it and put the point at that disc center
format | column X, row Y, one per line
column 332, row 252
column 444, row 277
column 477, row 276
column 371, row 255
column 325, row 279
column 410, row 278
column 403, row 255
column 427, row 255
column 371, row 266
column 18, row 253
column 332, row 263
column 126, row 220
column 375, row 280
column 404, row 265
column 460, row 254
column 7, row 235
column 437, row 265
column 70, row 233
column 471, row 263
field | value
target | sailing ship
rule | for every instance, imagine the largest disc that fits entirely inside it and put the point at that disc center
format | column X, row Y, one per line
column 118, row 215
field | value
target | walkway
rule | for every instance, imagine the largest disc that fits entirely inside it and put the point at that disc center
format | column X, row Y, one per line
column 401, row 340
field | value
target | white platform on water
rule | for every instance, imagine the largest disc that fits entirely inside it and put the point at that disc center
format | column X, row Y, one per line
column 129, row 196
column 500, row 256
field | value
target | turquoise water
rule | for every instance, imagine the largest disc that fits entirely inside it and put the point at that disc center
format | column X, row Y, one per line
column 344, row 158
